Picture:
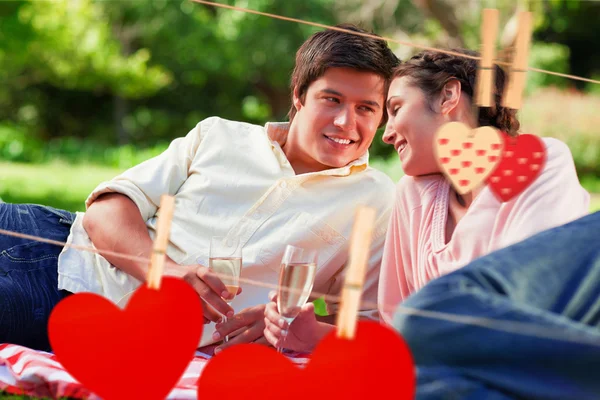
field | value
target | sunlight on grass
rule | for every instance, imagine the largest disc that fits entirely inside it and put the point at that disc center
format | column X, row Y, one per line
column 57, row 184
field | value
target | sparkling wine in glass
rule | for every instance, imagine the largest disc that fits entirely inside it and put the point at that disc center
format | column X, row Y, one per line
column 225, row 259
column 298, row 269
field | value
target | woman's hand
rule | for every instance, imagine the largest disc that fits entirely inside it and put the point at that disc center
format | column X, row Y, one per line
column 302, row 335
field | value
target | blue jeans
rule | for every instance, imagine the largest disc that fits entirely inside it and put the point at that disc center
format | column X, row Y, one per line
column 552, row 281
column 29, row 272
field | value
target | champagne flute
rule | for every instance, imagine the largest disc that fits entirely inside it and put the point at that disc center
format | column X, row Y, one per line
column 225, row 259
column 298, row 270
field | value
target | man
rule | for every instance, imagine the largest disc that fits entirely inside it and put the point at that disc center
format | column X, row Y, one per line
column 296, row 183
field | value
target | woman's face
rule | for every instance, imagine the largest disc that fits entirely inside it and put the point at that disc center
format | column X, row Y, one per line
column 411, row 127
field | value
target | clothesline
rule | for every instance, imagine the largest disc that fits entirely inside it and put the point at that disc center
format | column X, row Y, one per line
column 525, row 329
column 404, row 43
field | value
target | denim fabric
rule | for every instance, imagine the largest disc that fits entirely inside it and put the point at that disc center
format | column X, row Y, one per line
column 444, row 383
column 29, row 272
column 551, row 280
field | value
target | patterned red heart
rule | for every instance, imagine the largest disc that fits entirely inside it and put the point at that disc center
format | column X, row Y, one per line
column 113, row 352
column 467, row 156
column 372, row 365
column 522, row 161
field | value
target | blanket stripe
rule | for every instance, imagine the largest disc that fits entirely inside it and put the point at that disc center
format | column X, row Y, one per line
column 37, row 373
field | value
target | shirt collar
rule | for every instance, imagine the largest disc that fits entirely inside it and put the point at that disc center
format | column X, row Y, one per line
column 278, row 132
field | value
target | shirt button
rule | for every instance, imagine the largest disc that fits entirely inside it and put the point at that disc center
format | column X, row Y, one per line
column 257, row 216
column 283, row 184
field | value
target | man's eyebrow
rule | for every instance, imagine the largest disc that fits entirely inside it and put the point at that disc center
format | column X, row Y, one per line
column 336, row 93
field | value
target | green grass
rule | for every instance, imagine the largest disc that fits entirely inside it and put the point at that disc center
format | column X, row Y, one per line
column 58, row 185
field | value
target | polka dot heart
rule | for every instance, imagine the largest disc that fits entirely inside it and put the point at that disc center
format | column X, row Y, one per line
column 467, row 156
column 522, row 161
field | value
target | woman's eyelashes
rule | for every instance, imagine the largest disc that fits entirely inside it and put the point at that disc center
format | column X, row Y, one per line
column 393, row 110
column 394, row 107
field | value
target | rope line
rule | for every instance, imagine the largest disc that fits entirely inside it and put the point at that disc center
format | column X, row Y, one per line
column 521, row 328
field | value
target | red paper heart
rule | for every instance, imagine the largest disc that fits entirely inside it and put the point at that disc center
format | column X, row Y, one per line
column 522, row 161
column 372, row 365
column 136, row 353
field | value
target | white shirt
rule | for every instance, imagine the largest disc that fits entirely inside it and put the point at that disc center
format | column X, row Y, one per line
column 233, row 178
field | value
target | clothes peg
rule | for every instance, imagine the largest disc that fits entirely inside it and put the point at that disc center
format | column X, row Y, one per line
column 484, row 83
column 163, row 229
column 513, row 92
column 360, row 242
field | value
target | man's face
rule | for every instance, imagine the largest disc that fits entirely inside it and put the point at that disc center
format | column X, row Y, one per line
column 337, row 121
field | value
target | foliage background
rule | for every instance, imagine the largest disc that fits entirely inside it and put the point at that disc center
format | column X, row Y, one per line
column 91, row 87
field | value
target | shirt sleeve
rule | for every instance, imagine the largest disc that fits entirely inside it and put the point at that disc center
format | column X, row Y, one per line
column 555, row 198
column 145, row 183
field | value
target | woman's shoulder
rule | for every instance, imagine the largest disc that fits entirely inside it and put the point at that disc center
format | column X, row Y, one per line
column 558, row 157
column 556, row 148
column 416, row 190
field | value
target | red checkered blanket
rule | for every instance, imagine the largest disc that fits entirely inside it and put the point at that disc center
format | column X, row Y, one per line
column 39, row 374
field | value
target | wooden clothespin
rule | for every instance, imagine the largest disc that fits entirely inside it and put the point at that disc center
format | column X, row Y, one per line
column 163, row 229
column 513, row 93
column 360, row 242
column 484, row 83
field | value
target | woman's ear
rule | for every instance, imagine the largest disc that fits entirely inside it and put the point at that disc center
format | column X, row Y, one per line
column 450, row 97
column 296, row 100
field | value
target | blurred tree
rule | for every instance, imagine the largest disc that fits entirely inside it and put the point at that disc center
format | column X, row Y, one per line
column 146, row 71
column 573, row 24
column 66, row 50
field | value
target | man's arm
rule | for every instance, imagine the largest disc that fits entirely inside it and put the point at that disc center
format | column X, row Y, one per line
column 114, row 223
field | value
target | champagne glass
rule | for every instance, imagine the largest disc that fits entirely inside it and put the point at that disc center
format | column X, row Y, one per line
column 298, row 269
column 225, row 259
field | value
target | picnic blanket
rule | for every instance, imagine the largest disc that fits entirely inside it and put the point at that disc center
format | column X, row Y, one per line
column 39, row 374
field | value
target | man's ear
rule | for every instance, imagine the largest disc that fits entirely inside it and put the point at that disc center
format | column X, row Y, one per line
column 296, row 100
column 450, row 96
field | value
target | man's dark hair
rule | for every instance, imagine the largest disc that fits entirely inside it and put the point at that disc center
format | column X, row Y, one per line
column 334, row 49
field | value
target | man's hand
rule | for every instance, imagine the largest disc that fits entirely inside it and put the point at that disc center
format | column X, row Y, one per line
column 211, row 290
column 250, row 324
column 302, row 335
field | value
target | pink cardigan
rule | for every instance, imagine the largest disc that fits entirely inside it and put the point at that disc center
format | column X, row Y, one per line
column 415, row 251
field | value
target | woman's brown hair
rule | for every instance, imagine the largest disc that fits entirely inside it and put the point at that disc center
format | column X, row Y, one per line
column 431, row 70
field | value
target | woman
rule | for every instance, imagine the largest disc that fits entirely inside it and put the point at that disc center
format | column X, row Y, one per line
column 434, row 230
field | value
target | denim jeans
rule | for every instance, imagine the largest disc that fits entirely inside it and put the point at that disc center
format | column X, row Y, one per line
column 29, row 272
column 552, row 281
